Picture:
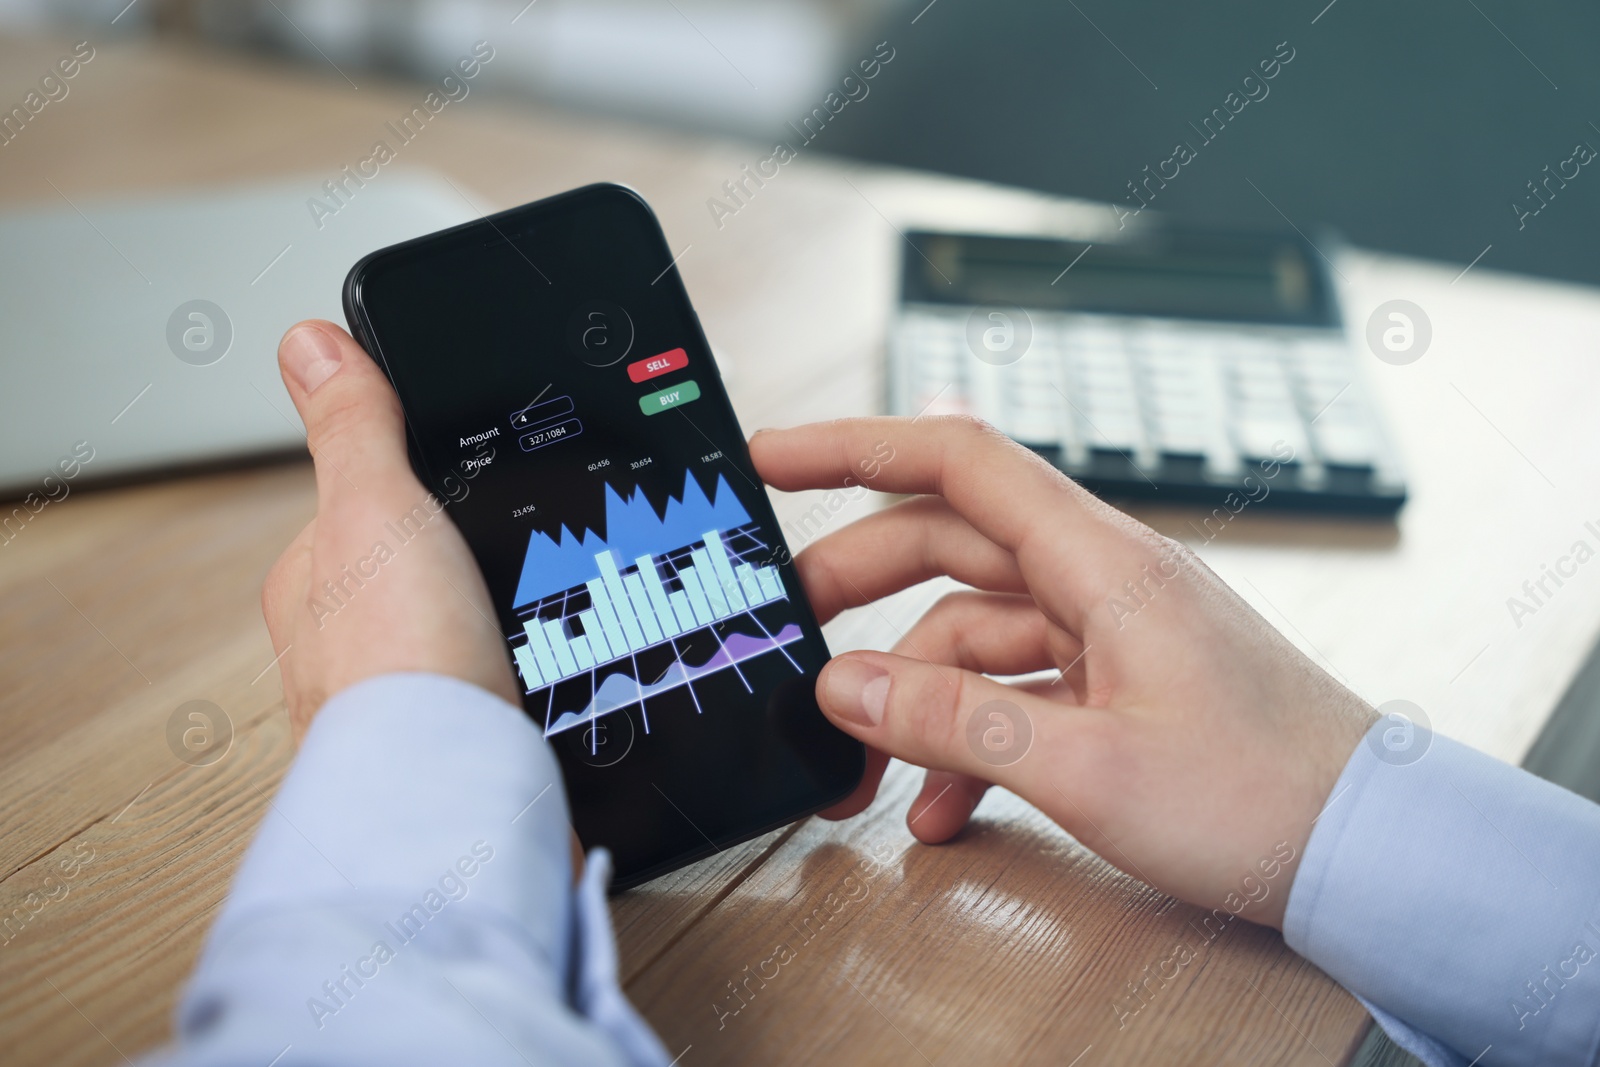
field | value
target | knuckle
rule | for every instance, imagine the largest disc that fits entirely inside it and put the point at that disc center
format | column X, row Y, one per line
column 1099, row 761
column 927, row 706
column 274, row 597
column 338, row 420
column 951, row 608
column 272, row 584
column 820, row 576
column 970, row 427
column 1144, row 557
column 347, row 414
column 927, row 553
column 1165, row 557
column 976, row 426
column 1174, row 553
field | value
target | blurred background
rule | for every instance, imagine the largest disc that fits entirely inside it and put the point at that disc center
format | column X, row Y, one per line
column 1426, row 127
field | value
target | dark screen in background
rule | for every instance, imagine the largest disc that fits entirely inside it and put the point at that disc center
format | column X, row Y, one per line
column 494, row 336
column 1413, row 128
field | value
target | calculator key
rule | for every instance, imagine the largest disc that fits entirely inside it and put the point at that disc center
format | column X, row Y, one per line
column 1087, row 334
column 1259, row 438
column 1114, row 433
column 1166, row 361
column 1195, row 422
column 1099, row 384
column 1104, row 384
column 1185, row 384
column 1119, row 390
column 1325, row 353
column 1188, row 380
column 1321, row 359
column 1034, row 430
column 1262, row 390
column 1265, row 414
column 1325, row 377
column 1180, row 440
column 1320, row 394
column 1183, row 448
column 1243, row 347
column 1345, row 445
column 1187, row 413
column 1111, row 408
column 1113, row 360
column 1177, row 390
column 1115, row 379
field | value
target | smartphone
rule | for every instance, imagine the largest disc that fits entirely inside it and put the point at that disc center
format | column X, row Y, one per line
column 562, row 400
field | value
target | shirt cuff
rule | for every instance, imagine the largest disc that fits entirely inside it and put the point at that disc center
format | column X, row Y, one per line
column 403, row 780
column 597, row 992
column 1458, row 897
column 425, row 810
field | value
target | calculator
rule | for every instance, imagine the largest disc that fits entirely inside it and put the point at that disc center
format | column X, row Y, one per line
column 1177, row 364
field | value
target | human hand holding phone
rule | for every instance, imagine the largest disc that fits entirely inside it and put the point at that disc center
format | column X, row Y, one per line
column 1187, row 742
column 338, row 611
column 422, row 608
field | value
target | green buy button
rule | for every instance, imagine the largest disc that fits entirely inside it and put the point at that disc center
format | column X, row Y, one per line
column 676, row 396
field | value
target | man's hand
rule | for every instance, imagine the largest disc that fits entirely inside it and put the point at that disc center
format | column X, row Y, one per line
column 1187, row 741
column 380, row 580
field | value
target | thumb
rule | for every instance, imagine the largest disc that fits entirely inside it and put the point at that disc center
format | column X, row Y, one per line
column 353, row 420
column 936, row 716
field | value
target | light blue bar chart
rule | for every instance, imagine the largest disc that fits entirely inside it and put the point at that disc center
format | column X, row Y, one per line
column 632, row 610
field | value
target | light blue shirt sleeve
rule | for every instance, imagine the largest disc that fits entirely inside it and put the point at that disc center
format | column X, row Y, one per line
column 1459, row 898
column 409, row 900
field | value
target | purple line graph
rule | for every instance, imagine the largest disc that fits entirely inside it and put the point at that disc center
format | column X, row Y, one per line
column 620, row 689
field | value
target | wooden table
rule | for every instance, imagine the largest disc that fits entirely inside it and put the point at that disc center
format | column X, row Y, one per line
column 1011, row 944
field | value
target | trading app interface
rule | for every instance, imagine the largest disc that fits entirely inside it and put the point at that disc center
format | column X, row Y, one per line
column 565, row 405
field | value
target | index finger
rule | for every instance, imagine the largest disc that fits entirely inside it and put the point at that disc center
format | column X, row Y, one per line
column 1007, row 493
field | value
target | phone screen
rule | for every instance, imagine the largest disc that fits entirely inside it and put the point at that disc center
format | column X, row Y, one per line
column 563, row 402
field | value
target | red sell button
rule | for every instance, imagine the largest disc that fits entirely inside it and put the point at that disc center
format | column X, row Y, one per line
column 646, row 369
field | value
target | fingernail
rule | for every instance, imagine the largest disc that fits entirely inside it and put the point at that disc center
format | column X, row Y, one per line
column 311, row 356
column 857, row 691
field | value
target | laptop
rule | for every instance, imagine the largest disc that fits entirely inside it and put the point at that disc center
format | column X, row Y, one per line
column 144, row 331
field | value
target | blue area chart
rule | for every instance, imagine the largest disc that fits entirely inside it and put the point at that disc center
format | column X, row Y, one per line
column 632, row 529
column 657, row 604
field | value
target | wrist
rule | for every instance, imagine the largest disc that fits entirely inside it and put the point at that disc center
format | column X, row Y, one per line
column 1324, row 779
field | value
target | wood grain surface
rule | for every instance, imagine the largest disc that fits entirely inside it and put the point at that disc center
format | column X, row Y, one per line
column 1011, row 944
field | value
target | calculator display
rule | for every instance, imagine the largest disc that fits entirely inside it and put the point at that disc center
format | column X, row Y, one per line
column 1235, row 277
